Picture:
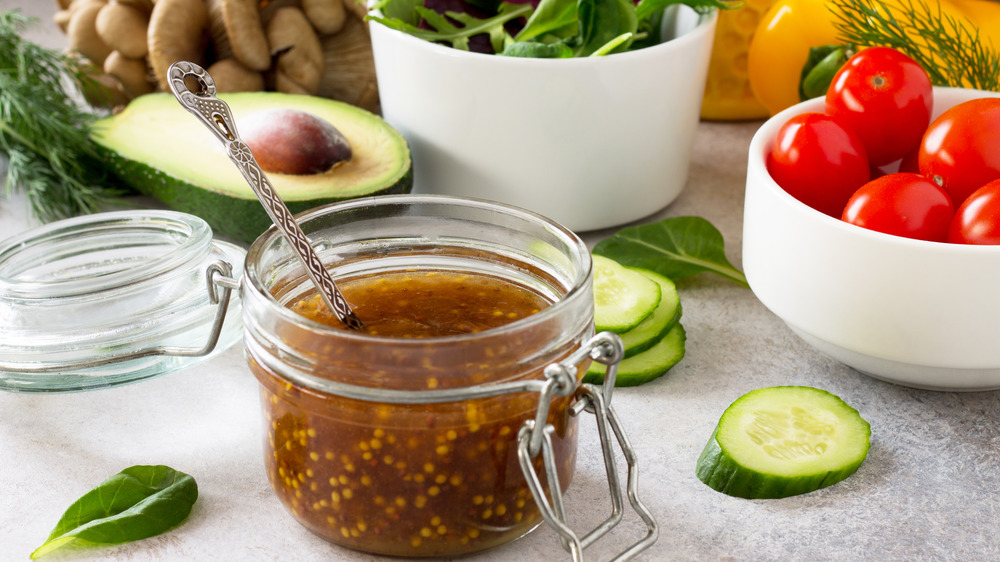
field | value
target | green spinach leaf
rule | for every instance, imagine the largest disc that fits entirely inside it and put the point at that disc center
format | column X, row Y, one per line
column 447, row 32
column 137, row 503
column 677, row 247
column 591, row 27
column 603, row 21
column 650, row 30
column 610, row 46
column 403, row 10
column 645, row 8
column 550, row 16
column 531, row 49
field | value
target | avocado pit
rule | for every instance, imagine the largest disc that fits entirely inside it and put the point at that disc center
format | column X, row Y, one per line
column 290, row 141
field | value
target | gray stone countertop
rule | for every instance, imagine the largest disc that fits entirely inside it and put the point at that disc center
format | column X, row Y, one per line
column 929, row 489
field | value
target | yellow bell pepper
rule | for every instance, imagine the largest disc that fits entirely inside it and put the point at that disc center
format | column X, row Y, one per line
column 781, row 46
column 790, row 28
column 986, row 15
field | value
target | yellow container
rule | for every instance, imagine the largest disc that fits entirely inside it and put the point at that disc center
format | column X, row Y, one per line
column 728, row 96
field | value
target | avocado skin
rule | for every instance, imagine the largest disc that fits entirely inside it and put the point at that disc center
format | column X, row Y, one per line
column 241, row 220
column 155, row 147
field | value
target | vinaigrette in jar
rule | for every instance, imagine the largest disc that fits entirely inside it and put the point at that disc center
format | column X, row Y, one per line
column 398, row 473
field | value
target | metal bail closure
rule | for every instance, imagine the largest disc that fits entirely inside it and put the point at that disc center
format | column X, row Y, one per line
column 535, row 437
column 220, row 285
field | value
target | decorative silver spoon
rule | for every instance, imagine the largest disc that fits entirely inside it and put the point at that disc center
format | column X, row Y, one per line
column 215, row 114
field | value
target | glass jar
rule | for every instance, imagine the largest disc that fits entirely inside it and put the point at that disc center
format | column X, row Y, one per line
column 111, row 298
column 397, row 446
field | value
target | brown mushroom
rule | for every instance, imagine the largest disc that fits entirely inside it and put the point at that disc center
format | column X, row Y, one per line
column 82, row 32
column 327, row 16
column 123, row 28
column 230, row 75
column 237, row 31
column 144, row 5
column 177, row 31
column 357, row 7
column 102, row 90
column 298, row 50
column 131, row 73
column 349, row 67
column 61, row 19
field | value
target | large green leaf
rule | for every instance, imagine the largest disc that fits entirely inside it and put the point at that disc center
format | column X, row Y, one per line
column 676, row 248
column 137, row 503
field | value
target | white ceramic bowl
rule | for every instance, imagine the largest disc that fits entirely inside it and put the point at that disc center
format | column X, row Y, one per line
column 589, row 142
column 921, row 314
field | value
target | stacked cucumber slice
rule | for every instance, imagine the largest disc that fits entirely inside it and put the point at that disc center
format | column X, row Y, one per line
column 644, row 309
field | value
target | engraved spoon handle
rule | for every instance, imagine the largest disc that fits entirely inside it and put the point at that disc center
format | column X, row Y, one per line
column 215, row 114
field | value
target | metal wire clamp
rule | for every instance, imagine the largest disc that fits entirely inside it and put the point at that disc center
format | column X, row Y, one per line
column 535, row 437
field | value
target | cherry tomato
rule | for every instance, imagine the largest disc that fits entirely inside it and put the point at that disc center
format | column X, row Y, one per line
column 886, row 97
column 961, row 148
column 818, row 161
column 977, row 220
column 903, row 204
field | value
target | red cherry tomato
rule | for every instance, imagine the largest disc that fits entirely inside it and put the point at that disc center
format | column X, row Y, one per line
column 961, row 148
column 977, row 220
column 818, row 161
column 902, row 204
column 886, row 97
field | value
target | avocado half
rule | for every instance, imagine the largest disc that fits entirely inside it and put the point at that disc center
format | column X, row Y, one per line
column 159, row 149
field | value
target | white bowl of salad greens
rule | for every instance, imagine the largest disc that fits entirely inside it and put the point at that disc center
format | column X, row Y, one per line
column 581, row 110
column 913, row 312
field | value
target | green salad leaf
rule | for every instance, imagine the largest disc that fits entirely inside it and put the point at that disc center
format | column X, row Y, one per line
column 647, row 8
column 555, row 29
column 535, row 50
column 403, row 10
column 676, row 248
column 551, row 16
column 604, row 21
column 137, row 503
column 447, row 32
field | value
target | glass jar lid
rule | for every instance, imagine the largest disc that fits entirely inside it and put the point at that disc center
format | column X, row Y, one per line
column 112, row 298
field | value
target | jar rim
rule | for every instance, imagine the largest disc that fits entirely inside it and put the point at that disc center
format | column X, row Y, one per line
column 188, row 239
column 254, row 282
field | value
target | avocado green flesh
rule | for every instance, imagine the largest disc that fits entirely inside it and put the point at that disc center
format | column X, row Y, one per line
column 161, row 150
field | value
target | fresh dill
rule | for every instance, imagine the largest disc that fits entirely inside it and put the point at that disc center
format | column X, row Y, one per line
column 44, row 130
column 949, row 49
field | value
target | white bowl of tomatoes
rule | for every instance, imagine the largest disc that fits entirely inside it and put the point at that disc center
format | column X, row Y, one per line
column 917, row 312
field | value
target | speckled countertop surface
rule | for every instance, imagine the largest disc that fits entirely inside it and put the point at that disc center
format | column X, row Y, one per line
column 930, row 488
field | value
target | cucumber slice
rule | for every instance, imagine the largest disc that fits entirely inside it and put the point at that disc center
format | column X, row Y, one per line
column 651, row 330
column 782, row 441
column 645, row 366
column 622, row 297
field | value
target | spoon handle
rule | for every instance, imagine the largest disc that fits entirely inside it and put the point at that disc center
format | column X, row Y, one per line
column 216, row 114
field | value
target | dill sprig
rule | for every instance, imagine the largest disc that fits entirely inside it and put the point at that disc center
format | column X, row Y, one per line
column 950, row 50
column 44, row 131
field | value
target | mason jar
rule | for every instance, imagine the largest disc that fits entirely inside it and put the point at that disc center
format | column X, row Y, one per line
column 387, row 445
column 112, row 298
